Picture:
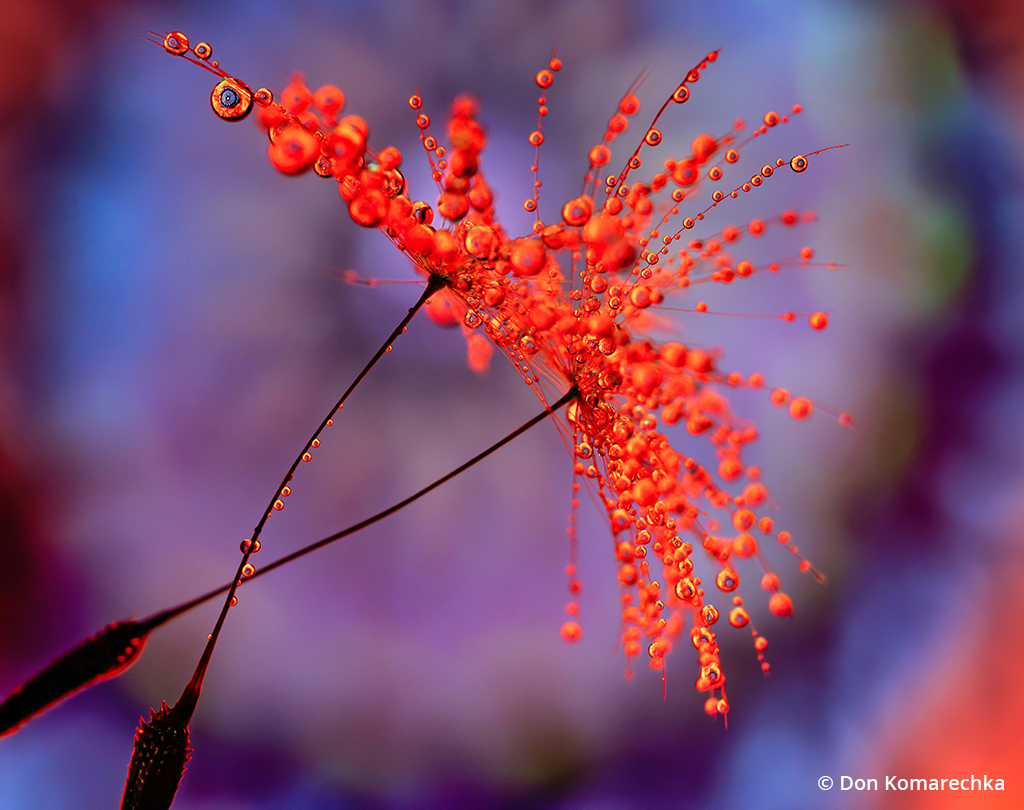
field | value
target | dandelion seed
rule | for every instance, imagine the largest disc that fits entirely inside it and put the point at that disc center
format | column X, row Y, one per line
column 570, row 305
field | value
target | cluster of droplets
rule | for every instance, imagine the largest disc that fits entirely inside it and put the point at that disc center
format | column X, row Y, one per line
column 572, row 304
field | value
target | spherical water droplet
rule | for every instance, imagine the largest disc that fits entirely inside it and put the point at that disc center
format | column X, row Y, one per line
column 176, row 43
column 231, row 100
column 630, row 105
column 727, row 580
column 248, row 570
column 738, row 617
column 798, row 164
column 203, row 50
column 780, row 604
column 571, row 632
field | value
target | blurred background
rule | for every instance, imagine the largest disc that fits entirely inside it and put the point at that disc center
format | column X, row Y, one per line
column 173, row 324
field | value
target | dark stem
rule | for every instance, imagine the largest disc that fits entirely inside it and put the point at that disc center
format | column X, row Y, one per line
column 434, row 283
column 190, row 695
column 165, row 616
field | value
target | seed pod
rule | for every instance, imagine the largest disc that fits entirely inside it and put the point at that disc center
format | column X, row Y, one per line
column 105, row 655
column 158, row 760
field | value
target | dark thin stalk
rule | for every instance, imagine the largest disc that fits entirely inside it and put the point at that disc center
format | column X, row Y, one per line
column 434, row 283
column 118, row 646
column 190, row 695
column 161, row 745
column 167, row 615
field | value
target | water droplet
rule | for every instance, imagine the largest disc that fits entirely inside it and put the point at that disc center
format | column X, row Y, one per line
column 176, row 43
column 738, row 617
column 571, row 632
column 727, row 580
column 231, row 100
column 203, row 50
column 780, row 604
column 798, row 164
column 801, row 408
column 248, row 570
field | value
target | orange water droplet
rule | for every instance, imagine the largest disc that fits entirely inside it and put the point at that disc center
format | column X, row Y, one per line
column 780, row 396
column 571, row 632
column 801, row 408
column 231, row 100
column 738, row 617
column 780, row 604
column 176, row 43
column 727, row 580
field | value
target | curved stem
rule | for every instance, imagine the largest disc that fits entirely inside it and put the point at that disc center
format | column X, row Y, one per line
column 166, row 615
column 190, row 695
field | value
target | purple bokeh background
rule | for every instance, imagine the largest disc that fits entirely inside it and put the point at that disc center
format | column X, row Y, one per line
column 174, row 326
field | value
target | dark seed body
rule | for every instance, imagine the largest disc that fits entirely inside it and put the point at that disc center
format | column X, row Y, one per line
column 105, row 655
column 158, row 761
